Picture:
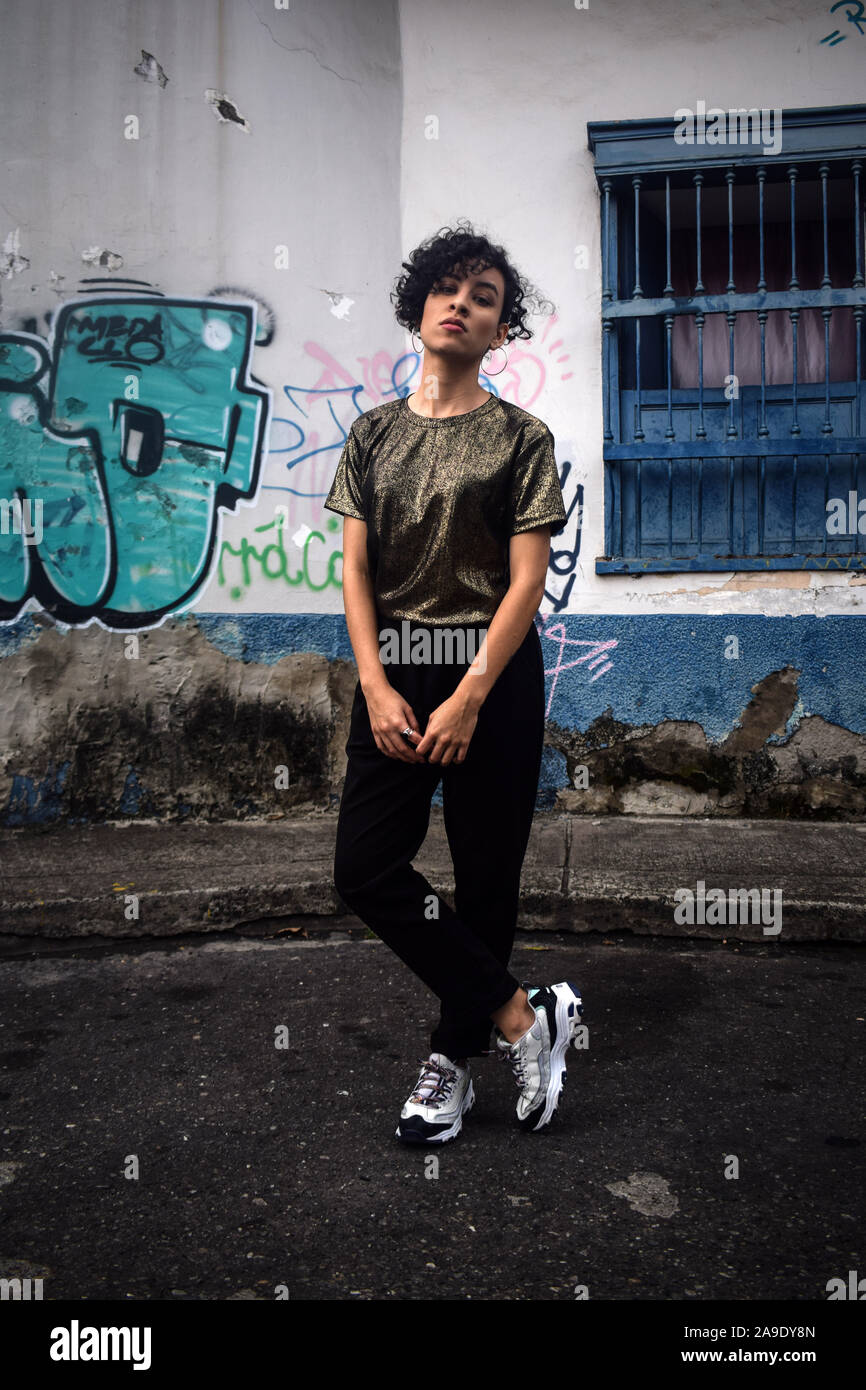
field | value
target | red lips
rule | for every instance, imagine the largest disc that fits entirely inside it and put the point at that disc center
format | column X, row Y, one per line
column 455, row 323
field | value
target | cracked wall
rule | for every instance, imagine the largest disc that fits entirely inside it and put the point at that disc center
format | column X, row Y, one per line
column 639, row 688
column 225, row 719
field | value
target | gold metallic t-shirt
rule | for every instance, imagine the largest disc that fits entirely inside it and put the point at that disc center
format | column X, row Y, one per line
column 441, row 497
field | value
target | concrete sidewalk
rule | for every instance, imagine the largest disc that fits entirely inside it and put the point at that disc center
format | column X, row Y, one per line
column 146, row 879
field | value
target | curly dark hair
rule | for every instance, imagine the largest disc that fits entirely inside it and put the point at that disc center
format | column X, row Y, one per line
column 463, row 246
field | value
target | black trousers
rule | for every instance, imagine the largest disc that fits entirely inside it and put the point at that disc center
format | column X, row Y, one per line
column 488, row 805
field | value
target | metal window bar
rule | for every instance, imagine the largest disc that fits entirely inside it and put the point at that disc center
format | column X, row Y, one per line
column 715, row 304
column 793, row 283
column 700, row 505
column 730, row 506
column 697, row 179
column 606, row 291
column 761, row 176
column 826, row 283
column 823, row 171
column 608, row 345
column 729, row 179
column 858, row 329
column 763, row 427
column 795, row 424
column 668, row 289
column 607, row 296
column 637, row 294
column 669, row 324
column 762, row 493
column 858, row 266
column 732, row 418
column 702, row 428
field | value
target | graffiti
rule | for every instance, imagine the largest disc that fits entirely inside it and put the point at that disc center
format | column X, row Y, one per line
column 272, row 562
column 313, row 417
column 306, row 441
column 597, row 656
column 855, row 13
column 564, row 560
column 120, row 340
column 266, row 319
column 150, row 426
column 134, row 423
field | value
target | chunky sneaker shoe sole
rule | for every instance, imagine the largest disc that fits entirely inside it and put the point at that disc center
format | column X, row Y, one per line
column 437, row 1116
column 540, row 1060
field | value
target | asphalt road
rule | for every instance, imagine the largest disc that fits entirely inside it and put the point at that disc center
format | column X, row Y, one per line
column 259, row 1167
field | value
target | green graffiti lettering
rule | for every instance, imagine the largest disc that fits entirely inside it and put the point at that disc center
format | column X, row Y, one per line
column 255, row 563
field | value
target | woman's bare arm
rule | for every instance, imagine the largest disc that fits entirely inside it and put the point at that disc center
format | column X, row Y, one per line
column 529, row 554
column 360, row 605
column 389, row 712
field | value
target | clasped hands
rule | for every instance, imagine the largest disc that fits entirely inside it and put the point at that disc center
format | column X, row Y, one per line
column 446, row 738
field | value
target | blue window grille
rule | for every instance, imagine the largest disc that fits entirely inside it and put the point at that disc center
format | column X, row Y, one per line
column 732, row 343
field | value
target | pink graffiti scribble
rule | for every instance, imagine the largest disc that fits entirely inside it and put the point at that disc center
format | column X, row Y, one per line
column 308, row 438
column 596, row 656
column 376, row 372
column 521, row 380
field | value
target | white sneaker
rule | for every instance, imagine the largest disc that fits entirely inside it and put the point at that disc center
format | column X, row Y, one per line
column 538, row 1058
column 442, row 1095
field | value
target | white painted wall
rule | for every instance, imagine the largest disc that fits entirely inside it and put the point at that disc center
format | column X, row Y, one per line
column 513, row 87
column 338, row 167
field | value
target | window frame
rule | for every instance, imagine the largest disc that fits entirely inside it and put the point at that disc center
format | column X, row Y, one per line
column 626, row 154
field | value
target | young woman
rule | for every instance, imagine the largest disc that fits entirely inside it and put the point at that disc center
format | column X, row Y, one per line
column 449, row 497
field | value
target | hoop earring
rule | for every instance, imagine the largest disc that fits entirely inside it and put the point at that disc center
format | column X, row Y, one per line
column 420, row 349
column 501, row 369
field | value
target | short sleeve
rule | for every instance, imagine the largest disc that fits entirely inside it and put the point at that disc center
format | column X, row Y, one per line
column 536, row 496
column 345, row 495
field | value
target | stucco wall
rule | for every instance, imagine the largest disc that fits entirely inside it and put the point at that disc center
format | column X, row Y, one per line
column 218, row 718
column 244, row 181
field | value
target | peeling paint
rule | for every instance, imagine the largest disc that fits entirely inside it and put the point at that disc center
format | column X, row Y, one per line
column 773, row 703
column 11, row 260
column 746, row 581
column 96, row 256
column 147, row 743
column 340, row 304
column 150, row 69
column 197, row 723
column 225, row 109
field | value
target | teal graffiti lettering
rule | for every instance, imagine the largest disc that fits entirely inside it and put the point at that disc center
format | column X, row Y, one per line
column 130, row 470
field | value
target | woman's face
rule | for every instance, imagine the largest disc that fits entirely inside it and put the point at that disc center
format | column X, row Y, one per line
column 475, row 301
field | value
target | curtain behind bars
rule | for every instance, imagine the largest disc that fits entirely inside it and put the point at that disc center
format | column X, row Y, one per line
column 777, row 270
